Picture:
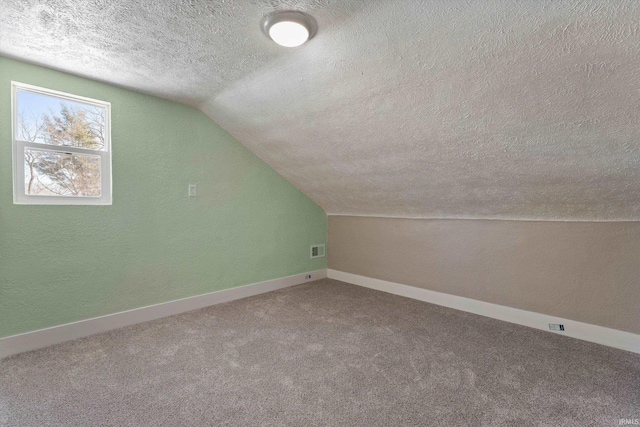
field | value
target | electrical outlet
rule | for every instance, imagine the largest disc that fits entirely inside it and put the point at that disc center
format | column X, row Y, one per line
column 192, row 190
column 556, row 327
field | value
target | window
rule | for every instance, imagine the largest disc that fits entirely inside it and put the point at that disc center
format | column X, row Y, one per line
column 61, row 148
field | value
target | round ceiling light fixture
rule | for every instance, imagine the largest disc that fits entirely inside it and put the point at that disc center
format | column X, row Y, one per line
column 289, row 28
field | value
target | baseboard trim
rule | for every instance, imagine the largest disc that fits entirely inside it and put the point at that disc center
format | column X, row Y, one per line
column 57, row 334
column 583, row 331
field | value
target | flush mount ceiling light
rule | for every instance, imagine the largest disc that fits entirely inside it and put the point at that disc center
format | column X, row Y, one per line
column 290, row 28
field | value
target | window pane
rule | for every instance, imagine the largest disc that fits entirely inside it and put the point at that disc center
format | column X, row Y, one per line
column 54, row 173
column 58, row 121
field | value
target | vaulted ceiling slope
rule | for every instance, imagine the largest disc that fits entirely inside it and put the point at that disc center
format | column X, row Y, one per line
column 424, row 108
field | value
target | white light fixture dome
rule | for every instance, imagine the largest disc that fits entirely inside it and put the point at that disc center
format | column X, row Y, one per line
column 289, row 29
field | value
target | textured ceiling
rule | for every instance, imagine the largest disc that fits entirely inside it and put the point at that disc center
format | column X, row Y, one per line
column 483, row 109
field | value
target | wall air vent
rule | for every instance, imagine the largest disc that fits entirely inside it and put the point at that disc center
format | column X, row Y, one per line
column 317, row 251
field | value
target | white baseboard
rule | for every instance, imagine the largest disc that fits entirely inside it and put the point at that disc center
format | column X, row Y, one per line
column 45, row 337
column 583, row 331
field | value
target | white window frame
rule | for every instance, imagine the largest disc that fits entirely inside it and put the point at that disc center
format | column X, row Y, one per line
column 19, row 195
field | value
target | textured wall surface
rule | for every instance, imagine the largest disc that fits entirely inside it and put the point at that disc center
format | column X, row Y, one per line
column 423, row 108
column 580, row 271
column 154, row 244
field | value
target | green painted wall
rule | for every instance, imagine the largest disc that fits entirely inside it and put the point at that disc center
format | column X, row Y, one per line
column 60, row 264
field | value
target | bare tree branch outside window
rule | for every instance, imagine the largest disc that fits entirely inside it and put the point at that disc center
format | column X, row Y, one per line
column 56, row 172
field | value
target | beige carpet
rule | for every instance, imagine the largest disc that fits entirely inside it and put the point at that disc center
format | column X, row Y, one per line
column 324, row 353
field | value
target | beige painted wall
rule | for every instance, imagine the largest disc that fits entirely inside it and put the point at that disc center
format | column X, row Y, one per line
column 584, row 271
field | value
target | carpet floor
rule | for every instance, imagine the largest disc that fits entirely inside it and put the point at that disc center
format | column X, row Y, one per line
column 323, row 353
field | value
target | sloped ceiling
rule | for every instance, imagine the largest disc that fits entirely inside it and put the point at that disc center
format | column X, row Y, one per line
column 424, row 108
